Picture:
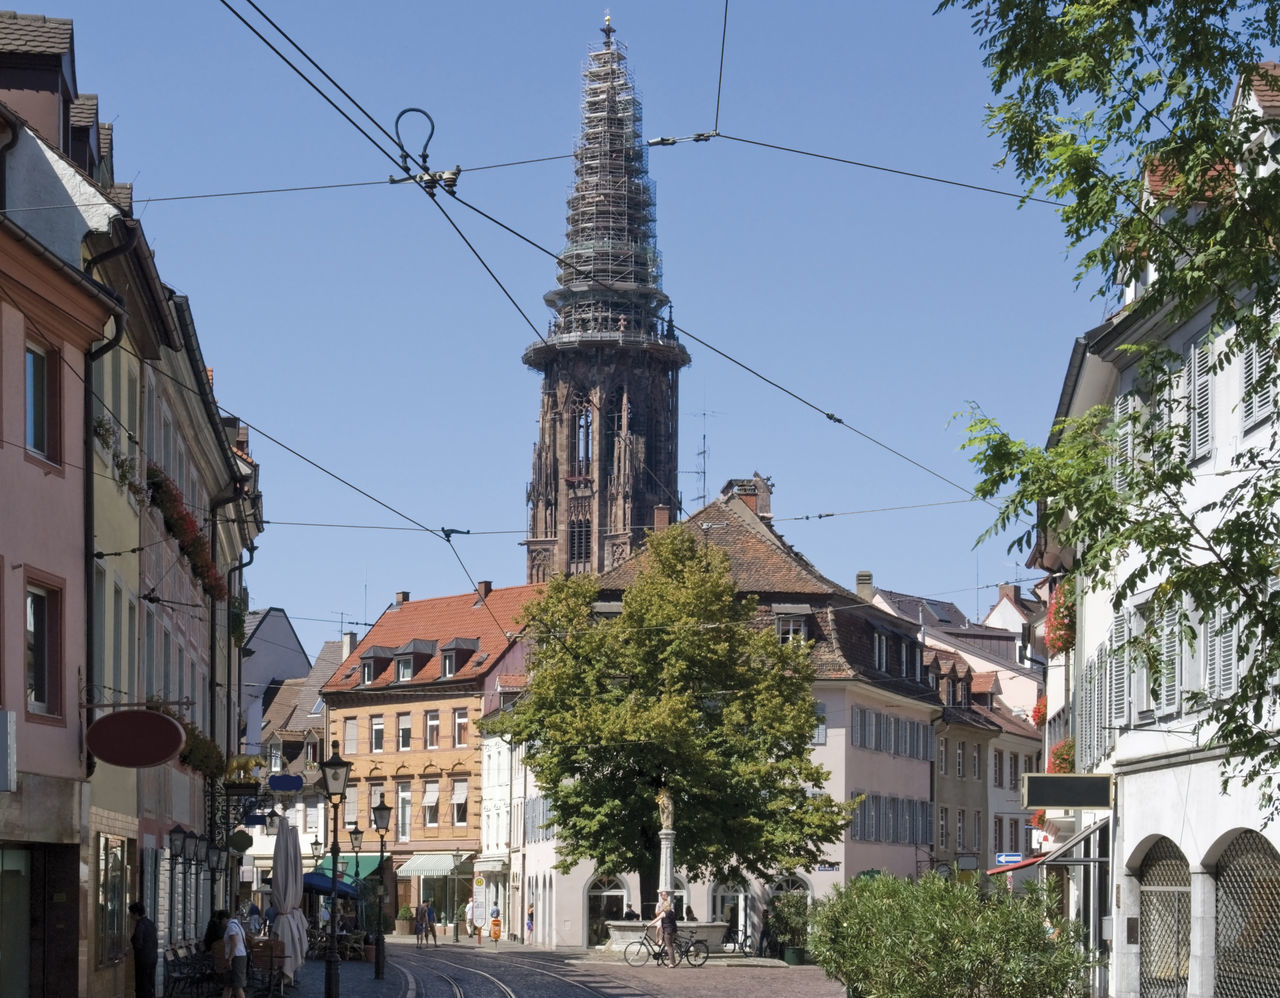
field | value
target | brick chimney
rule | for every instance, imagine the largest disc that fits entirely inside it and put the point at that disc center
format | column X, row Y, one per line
column 402, row 597
column 483, row 589
column 866, row 590
column 348, row 644
column 1010, row 591
column 661, row 517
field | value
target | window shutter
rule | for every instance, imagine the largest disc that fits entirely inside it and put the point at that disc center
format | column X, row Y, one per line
column 1123, row 456
column 1119, row 666
column 1220, row 680
column 1170, row 673
column 1249, row 374
column 1199, row 395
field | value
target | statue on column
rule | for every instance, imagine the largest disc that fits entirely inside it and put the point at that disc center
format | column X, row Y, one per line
column 666, row 808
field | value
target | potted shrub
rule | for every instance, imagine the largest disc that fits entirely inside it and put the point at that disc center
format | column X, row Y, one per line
column 790, row 924
column 404, row 921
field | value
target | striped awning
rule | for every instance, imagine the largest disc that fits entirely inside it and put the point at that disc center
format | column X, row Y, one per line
column 428, row 864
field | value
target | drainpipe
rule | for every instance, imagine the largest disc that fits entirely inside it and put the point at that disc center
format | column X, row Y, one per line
column 93, row 356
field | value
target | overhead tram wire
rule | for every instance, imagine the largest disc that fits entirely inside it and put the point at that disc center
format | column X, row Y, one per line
column 563, row 263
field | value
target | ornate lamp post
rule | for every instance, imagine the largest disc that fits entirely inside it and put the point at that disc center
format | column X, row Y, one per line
column 381, row 821
column 335, row 771
column 202, row 855
column 189, row 840
column 177, row 839
column 317, row 849
column 357, row 839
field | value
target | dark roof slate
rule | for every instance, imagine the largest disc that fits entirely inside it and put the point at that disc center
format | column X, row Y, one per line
column 34, row 34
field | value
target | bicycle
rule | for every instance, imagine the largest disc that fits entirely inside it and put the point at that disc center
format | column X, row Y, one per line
column 688, row 948
column 738, row 942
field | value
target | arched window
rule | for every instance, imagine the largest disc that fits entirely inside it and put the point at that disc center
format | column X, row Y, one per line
column 605, row 899
column 1164, row 922
column 580, row 442
column 1248, row 916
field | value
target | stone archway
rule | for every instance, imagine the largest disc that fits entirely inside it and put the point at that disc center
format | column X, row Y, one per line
column 1164, row 883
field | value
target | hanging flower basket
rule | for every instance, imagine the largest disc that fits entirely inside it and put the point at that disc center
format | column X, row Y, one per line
column 182, row 526
column 1060, row 618
column 1062, row 757
column 1039, row 711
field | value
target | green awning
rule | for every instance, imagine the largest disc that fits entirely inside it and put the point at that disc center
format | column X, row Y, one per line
column 358, row 866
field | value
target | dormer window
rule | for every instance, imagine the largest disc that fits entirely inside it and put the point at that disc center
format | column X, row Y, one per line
column 277, row 756
column 311, row 751
column 792, row 621
column 449, row 664
column 366, row 673
column 404, row 669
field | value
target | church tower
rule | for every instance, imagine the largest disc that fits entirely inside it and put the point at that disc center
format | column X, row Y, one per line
column 604, row 467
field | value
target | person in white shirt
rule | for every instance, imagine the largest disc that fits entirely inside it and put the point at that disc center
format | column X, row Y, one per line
column 236, row 954
column 469, row 914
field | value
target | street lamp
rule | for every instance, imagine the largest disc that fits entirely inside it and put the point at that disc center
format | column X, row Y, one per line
column 357, row 839
column 457, row 858
column 335, row 771
column 202, row 854
column 381, row 820
column 317, row 849
column 177, row 839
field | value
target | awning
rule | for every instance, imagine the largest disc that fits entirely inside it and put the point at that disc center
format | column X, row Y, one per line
column 358, row 865
column 429, row 864
column 1060, row 855
column 320, row 883
column 459, row 791
column 431, row 796
column 495, row 864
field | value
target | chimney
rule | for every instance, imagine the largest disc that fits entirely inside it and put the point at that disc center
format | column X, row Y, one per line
column 661, row 517
column 402, row 597
column 1010, row 591
column 483, row 589
column 348, row 644
column 865, row 589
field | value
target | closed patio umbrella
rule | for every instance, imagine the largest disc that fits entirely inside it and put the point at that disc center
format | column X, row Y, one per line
column 286, row 890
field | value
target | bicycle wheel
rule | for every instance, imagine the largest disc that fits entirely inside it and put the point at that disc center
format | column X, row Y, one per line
column 636, row 954
column 697, row 954
column 748, row 946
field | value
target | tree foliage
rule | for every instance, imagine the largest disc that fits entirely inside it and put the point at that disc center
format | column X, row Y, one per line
column 682, row 692
column 884, row 937
column 1135, row 117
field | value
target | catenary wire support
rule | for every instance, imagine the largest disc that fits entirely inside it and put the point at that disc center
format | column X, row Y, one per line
column 428, row 180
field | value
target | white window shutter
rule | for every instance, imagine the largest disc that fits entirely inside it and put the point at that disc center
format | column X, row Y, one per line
column 1200, row 398
column 1119, row 669
column 1170, row 660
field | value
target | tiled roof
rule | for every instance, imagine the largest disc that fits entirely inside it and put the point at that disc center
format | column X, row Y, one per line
column 291, row 708
column 84, row 111
column 34, row 34
column 1011, row 723
column 491, row 623
column 923, row 610
column 1266, row 89
column 760, row 561
column 985, row 682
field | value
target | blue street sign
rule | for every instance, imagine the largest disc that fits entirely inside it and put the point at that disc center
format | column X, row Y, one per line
column 1004, row 858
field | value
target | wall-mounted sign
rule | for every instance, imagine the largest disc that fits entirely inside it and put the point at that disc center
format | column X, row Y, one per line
column 135, row 738
column 1066, row 790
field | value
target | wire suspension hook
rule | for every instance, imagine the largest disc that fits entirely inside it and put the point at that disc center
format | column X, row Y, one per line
column 404, row 154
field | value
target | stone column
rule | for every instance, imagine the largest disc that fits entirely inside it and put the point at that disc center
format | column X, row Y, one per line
column 667, row 842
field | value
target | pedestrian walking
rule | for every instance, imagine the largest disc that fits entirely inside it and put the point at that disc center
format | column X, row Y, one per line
column 145, row 952
column 420, row 923
column 431, row 920
column 667, row 919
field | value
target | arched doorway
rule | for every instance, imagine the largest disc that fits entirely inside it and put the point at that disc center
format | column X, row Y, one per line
column 1164, row 883
column 785, row 885
column 730, row 903
column 605, row 898
column 1248, row 917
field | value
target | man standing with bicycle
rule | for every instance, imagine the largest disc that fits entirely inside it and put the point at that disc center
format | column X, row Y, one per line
column 667, row 919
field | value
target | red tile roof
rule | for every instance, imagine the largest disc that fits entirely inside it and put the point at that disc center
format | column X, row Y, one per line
column 491, row 624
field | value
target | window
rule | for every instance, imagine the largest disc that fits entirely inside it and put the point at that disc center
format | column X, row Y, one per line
column 1014, row 837
column 880, row 650
column 448, row 664
column 1199, row 400
column 113, row 884
column 1118, row 669
column 44, row 650
column 977, row 831
column 149, row 652
column 350, row 736
column 1256, row 401
column 1220, row 657
column 942, row 756
column 404, row 805
column 1166, row 695
column 1027, row 764
column 459, row 802
column 43, row 404
column 433, row 729
column 366, row 673
column 350, row 809
column 375, row 733
column 942, row 828
column 404, row 732
column 375, row 798
column 1013, row 771
column 975, row 761
column 997, row 829
column 404, row 669
column 959, row 829
column 431, row 803
column 792, row 628
column 997, row 768
column 960, row 761
column 820, row 732
column 277, row 757
column 459, row 726
column 311, row 751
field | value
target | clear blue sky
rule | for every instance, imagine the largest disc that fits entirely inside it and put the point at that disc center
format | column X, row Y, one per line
column 353, row 325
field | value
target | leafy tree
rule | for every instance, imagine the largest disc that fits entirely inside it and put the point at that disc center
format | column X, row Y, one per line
column 1128, row 114
column 679, row 692
column 884, row 937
